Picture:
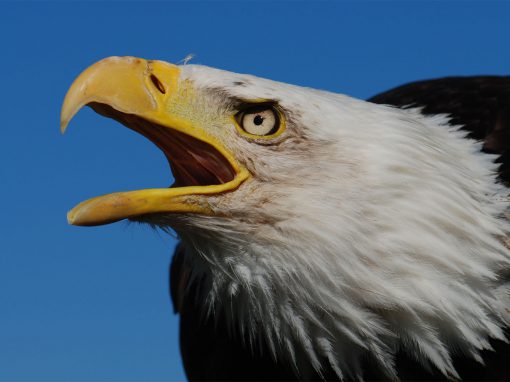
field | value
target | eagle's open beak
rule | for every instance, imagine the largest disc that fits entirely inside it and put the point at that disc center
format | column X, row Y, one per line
column 142, row 95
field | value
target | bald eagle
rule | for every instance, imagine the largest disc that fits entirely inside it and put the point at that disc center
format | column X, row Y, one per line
column 322, row 236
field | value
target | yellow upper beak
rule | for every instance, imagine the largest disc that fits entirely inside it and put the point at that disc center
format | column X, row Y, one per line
column 121, row 82
column 146, row 89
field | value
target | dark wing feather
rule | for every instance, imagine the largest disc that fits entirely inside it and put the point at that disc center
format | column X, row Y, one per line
column 482, row 106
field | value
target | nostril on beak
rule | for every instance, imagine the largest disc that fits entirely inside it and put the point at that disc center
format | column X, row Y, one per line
column 157, row 83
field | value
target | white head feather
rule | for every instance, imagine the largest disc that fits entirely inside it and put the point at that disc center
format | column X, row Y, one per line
column 365, row 230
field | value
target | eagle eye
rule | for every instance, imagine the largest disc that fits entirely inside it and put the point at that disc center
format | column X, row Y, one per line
column 260, row 120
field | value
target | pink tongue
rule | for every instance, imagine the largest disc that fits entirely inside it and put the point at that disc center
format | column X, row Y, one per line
column 196, row 163
column 193, row 162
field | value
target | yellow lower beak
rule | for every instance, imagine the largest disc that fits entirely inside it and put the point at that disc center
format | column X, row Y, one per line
column 145, row 89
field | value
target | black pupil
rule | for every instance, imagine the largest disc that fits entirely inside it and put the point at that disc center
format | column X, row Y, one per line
column 258, row 120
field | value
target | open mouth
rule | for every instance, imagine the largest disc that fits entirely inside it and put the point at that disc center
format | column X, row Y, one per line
column 140, row 95
column 193, row 162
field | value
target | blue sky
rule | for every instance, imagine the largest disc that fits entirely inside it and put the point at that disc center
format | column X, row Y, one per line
column 92, row 303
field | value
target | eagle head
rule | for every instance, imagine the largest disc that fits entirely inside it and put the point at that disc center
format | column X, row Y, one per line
column 328, row 228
